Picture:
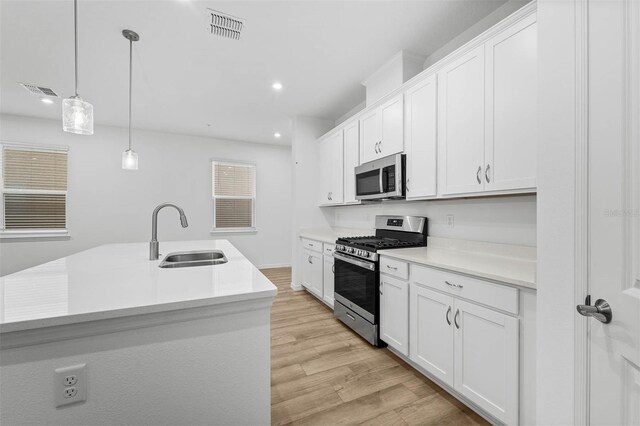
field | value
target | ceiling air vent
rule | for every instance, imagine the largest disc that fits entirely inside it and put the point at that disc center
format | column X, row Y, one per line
column 224, row 25
column 39, row 91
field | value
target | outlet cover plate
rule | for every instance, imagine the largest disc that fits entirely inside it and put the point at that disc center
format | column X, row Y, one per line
column 65, row 379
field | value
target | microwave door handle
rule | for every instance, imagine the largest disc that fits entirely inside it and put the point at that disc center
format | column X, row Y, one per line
column 380, row 179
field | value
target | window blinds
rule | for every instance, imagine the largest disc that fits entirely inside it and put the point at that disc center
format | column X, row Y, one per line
column 234, row 195
column 34, row 188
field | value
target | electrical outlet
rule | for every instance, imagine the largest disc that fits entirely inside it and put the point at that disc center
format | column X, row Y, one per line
column 70, row 385
column 450, row 221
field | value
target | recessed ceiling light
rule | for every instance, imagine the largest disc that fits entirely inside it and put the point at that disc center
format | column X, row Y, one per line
column 276, row 135
column 277, row 85
column 46, row 101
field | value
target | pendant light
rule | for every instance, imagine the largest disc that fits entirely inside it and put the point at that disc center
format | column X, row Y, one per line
column 129, row 157
column 77, row 114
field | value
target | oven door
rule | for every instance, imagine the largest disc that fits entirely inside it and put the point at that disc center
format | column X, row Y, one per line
column 356, row 285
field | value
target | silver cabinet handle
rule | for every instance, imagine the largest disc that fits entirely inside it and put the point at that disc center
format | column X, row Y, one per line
column 392, row 267
column 309, row 260
column 478, row 174
column 455, row 319
column 486, row 173
column 380, row 146
column 406, row 186
column 351, row 316
column 310, row 244
column 333, row 268
column 380, row 287
column 448, row 316
column 600, row 311
column 453, row 285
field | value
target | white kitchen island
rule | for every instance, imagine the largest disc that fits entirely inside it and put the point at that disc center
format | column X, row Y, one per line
column 161, row 346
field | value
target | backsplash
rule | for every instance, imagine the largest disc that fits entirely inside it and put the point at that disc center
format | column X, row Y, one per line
column 506, row 220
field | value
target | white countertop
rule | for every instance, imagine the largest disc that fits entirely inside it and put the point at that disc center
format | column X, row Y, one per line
column 504, row 263
column 118, row 280
column 330, row 235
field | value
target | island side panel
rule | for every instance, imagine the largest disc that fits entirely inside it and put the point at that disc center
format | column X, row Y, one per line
column 213, row 370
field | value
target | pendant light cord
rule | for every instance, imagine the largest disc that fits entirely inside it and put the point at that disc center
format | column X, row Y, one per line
column 130, row 73
column 75, row 26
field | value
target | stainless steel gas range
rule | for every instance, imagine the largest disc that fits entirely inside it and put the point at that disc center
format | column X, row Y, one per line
column 357, row 272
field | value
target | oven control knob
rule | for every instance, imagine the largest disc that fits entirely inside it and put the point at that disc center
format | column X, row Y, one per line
column 367, row 254
column 351, row 250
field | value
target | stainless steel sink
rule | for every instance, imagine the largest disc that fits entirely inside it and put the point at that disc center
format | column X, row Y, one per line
column 185, row 259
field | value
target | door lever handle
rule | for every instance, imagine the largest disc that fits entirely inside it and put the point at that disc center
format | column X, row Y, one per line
column 600, row 311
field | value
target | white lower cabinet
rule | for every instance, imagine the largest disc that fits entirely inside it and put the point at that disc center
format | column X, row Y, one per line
column 327, row 293
column 311, row 265
column 431, row 320
column 471, row 348
column 394, row 313
column 486, row 359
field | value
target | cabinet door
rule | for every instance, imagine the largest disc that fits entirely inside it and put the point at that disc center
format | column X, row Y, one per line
column 486, row 359
column 461, row 124
column 370, row 135
column 511, row 108
column 432, row 330
column 392, row 120
column 351, row 160
column 311, row 265
column 328, row 280
column 330, row 157
column 394, row 313
column 420, row 139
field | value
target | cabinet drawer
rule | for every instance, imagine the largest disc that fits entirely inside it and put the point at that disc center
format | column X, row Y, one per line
column 329, row 249
column 312, row 245
column 490, row 294
column 396, row 268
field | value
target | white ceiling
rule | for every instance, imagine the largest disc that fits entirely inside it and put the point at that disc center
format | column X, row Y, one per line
column 187, row 81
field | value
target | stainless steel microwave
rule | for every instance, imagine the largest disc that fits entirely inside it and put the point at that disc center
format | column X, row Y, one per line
column 382, row 178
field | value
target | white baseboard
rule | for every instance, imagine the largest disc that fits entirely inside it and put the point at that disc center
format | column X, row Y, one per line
column 296, row 287
column 274, row 265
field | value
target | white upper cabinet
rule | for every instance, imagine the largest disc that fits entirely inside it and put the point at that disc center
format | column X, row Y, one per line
column 351, row 160
column 331, row 158
column 511, row 108
column 421, row 139
column 461, row 123
column 382, row 130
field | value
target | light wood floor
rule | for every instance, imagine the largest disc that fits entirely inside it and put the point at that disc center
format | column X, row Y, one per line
column 324, row 374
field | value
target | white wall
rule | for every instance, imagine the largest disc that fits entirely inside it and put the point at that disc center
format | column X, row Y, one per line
column 107, row 204
column 556, row 274
column 507, row 220
column 475, row 30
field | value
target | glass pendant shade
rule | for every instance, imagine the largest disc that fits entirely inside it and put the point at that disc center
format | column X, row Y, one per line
column 130, row 160
column 77, row 116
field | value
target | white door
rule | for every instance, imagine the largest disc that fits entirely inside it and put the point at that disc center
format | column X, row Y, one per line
column 324, row 179
column 370, row 135
column 394, row 313
column 461, row 123
column 328, row 276
column 614, row 210
column 312, row 272
column 431, row 328
column 392, row 120
column 420, row 139
column 511, row 108
column 351, row 160
column 486, row 359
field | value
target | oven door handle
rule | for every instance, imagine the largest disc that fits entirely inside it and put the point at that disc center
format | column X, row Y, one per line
column 361, row 263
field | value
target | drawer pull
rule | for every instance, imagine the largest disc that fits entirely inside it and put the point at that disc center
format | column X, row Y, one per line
column 351, row 316
column 392, row 267
column 453, row 285
column 448, row 316
column 455, row 319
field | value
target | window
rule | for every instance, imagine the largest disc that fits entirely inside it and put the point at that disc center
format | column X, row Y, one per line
column 234, row 196
column 34, row 191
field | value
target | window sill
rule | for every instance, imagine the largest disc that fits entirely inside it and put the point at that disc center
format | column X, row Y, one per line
column 8, row 236
column 234, row 231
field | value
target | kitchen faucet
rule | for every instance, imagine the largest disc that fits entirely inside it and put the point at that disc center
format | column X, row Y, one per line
column 154, row 247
